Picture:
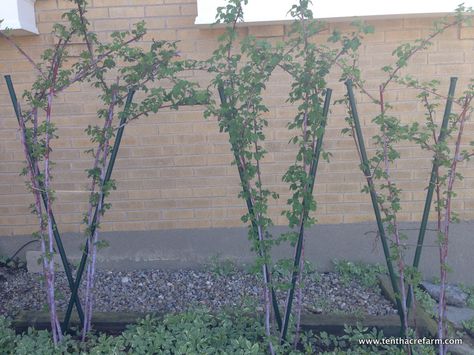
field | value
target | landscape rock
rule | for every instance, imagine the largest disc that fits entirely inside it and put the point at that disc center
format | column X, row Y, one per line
column 454, row 295
column 457, row 315
column 125, row 280
column 461, row 350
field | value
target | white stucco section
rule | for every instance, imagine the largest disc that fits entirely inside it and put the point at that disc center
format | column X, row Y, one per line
column 19, row 16
column 277, row 10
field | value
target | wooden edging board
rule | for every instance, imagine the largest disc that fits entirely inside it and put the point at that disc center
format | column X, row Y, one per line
column 115, row 322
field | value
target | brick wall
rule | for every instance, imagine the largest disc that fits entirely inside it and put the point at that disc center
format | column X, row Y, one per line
column 174, row 170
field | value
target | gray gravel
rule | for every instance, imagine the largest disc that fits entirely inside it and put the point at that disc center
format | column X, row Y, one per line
column 173, row 291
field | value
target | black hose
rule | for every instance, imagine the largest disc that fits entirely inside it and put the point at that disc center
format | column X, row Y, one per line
column 11, row 258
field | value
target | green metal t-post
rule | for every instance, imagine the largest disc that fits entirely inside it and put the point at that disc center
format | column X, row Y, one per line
column 432, row 184
column 299, row 245
column 57, row 236
column 250, row 208
column 373, row 197
column 108, row 174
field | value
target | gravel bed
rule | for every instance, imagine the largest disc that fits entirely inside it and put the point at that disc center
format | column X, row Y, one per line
column 165, row 291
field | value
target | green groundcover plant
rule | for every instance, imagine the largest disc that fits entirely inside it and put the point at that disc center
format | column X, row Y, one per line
column 196, row 332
